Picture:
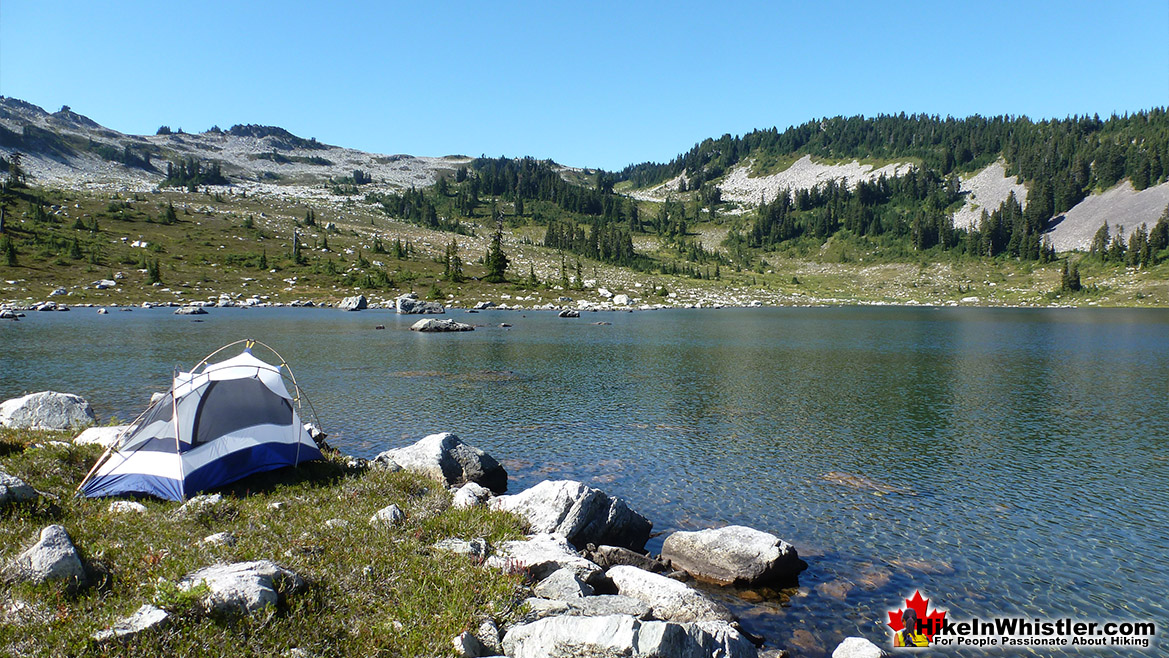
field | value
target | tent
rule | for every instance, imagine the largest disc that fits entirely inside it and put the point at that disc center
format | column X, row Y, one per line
column 218, row 423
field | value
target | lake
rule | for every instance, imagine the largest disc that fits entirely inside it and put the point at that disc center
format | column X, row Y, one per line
column 1001, row 461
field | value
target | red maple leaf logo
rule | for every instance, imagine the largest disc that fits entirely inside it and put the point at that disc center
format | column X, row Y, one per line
column 930, row 622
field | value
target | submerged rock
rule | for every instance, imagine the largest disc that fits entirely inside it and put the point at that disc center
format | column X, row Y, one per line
column 734, row 555
column 582, row 514
column 47, row 410
column 857, row 647
column 446, row 458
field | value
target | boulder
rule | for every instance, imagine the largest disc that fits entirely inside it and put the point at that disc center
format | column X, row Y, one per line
column 582, row 514
column 668, row 598
column 53, row 557
column 543, row 554
column 467, row 645
column 47, row 410
column 438, row 326
column 623, row 635
column 621, row 300
column 102, row 436
column 488, row 636
column 734, row 555
column 243, row 587
column 388, row 516
column 857, row 647
column 190, row 310
column 482, row 306
column 219, row 539
column 357, row 303
column 409, row 304
column 470, row 495
column 611, row 556
column 14, row 490
column 446, row 458
column 568, row 313
column 562, row 585
column 146, row 618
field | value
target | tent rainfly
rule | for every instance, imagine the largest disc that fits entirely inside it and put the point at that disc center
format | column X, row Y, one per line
column 217, row 425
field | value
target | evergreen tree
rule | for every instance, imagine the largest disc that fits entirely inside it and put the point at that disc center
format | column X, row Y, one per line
column 9, row 249
column 496, row 261
column 453, row 264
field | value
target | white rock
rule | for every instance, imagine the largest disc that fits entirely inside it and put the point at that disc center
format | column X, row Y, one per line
column 543, row 554
column 126, row 507
column 102, row 436
column 219, row 539
column 669, row 599
column 336, row 523
column 857, row 647
column 470, row 495
column 582, row 514
column 53, row 557
column 562, row 585
column 476, row 548
column 200, row 503
column 47, row 410
column 14, row 490
column 431, row 325
column 623, row 635
column 446, row 458
column 243, row 587
column 733, row 555
column 145, row 618
column 621, row 300
column 354, row 303
column 388, row 516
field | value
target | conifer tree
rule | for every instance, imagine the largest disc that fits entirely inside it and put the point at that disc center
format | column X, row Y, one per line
column 496, row 261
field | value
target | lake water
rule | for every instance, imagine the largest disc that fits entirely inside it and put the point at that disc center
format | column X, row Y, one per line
column 1004, row 462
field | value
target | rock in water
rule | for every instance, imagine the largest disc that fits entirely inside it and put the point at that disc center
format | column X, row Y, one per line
column 446, row 458
column 582, row 514
column 734, row 555
column 190, row 310
column 568, row 313
column 857, row 647
column 243, row 587
column 47, row 410
column 441, row 325
column 53, row 557
column 409, row 304
column 357, row 303
column 669, row 599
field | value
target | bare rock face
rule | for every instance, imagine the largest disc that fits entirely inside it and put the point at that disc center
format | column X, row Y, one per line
column 446, row 458
column 243, row 587
column 582, row 514
column 102, row 436
column 668, row 598
column 562, row 585
column 47, row 410
column 623, row 635
column 734, row 555
column 52, row 558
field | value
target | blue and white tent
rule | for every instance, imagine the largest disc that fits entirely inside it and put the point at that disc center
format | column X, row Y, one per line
column 217, row 424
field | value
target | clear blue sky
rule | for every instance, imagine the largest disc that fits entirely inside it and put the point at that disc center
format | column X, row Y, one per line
column 587, row 83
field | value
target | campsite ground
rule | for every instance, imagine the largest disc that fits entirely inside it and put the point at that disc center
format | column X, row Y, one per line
column 372, row 591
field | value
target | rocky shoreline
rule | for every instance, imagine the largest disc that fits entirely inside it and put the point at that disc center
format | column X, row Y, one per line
column 592, row 590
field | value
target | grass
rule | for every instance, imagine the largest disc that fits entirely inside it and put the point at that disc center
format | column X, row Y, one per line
column 372, row 591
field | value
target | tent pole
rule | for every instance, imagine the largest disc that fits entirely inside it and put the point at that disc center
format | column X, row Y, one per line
column 115, row 444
